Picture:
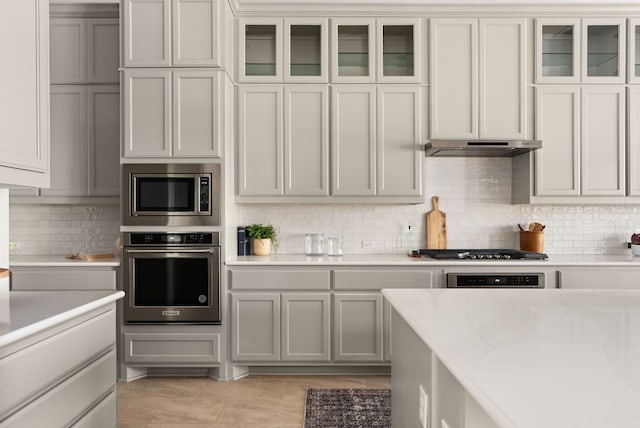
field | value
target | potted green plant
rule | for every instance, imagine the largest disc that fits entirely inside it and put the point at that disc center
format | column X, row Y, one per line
column 262, row 237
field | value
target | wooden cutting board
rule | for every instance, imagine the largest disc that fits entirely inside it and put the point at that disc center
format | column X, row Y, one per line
column 436, row 227
column 95, row 256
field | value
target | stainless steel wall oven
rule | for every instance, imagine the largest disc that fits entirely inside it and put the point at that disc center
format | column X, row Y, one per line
column 171, row 277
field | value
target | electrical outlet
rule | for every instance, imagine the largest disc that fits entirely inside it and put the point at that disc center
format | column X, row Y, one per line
column 14, row 245
column 423, row 408
column 368, row 244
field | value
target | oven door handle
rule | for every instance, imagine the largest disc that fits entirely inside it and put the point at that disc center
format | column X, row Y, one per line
column 172, row 250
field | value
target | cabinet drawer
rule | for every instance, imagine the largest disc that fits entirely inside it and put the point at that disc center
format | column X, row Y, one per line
column 72, row 279
column 102, row 415
column 599, row 279
column 370, row 279
column 25, row 371
column 264, row 279
column 64, row 403
column 171, row 348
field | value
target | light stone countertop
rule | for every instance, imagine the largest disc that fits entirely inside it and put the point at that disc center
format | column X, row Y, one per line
column 402, row 260
column 536, row 358
column 31, row 312
column 58, row 261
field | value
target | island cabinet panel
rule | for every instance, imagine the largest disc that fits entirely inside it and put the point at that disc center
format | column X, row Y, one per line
column 101, row 415
column 255, row 326
column 357, row 327
column 306, row 326
column 153, row 348
column 449, row 410
column 603, row 278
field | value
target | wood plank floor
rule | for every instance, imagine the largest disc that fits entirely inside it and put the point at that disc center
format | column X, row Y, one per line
column 251, row 402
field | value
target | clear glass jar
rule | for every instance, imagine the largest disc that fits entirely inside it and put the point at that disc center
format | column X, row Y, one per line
column 334, row 246
column 314, row 244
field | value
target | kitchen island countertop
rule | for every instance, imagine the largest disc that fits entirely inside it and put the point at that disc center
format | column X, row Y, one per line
column 535, row 358
column 402, row 260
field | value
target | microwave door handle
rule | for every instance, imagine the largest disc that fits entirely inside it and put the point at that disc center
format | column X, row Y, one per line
column 170, row 250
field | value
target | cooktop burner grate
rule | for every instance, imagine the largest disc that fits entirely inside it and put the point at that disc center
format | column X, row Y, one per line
column 482, row 254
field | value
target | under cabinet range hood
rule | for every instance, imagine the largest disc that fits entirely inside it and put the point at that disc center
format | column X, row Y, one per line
column 480, row 148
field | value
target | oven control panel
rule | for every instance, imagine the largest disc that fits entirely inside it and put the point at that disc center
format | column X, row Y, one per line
column 495, row 280
column 168, row 239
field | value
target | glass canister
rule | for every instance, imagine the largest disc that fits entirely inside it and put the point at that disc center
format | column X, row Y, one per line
column 314, row 244
column 334, row 246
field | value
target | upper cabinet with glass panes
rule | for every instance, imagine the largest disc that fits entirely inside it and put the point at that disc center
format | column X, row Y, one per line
column 633, row 45
column 589, row 50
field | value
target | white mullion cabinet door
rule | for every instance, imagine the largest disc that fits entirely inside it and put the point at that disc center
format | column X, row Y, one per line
column 603, row 140
column 260, row 50
column 196, row 33
column 399, row 122
column 306, row 50
column 633, row 54
column 68, row 141
column 398, row 50
column 454, row 78
column 103, row 56
column 502, row 78
column 634, row 141
column 306, row 140
column 147, row 33
column 196, row 113
column 558, row 52
column 104, row 140
column 306, row 327
column 147, row 113
column 557, row 164
column 255, row 326
column 353, row 140
column 353, row 50
column 603, row 50
column 260, row 150
column 68, row 50
column 357, row 327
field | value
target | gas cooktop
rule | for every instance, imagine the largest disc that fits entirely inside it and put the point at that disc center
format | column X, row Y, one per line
column 483, row 254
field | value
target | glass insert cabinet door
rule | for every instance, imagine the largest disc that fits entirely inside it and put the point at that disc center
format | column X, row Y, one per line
column 352, row 48
column 558, row 50
column 604, row 43
column 398, row 54
column 305, row 50
column 260, row 53
column 633, row 68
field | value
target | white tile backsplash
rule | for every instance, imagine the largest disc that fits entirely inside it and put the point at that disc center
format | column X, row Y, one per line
column 43, row 229
column 475, row 193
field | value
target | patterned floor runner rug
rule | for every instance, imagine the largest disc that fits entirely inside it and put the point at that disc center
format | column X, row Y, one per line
column 347, row 408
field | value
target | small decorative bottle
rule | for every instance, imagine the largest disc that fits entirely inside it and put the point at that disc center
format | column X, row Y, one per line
column 409, row 241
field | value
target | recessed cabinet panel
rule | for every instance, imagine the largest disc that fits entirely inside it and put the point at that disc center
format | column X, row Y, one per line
column 104, row 140
column 68, row 141
column 256, row 327
column 260, row 50
column 399, row 137
column 196, row 36
column 603, row 140
column 353, row 45
column 398, row 54
column 196, row 116
column 147, row 113
column 147, row 32
column 604, row 52
column 634, row 142
column 454, row 78
column 305, row 327
column 260, row 152
column 558, row 125
column 502, row 111
column 103, row 55
column 68, row 50
column 305, row 50
column 557, row 50
column 353, row 140
column 358, row 327
column 306, row 140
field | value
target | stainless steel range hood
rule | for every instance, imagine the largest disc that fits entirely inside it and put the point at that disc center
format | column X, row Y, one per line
column 480, row 148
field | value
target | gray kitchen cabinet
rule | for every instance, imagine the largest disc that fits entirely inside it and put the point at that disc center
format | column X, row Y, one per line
column 84, row 50
column 255, row 326
column 601, row 278
column 478, row 78
column 63, row 376
column 153, row 347
column 284, row 141
column 172, row 113
column 633, row 164
column 583, row 157
column 24, row 109
column 357, row 327
column 164, row 33
column 306, row 325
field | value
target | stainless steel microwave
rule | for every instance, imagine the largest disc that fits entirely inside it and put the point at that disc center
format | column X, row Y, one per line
column 170, row 194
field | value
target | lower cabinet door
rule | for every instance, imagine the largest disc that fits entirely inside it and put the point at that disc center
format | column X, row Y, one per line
column 357, row 327
column 255, row 325
column 305, row 327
